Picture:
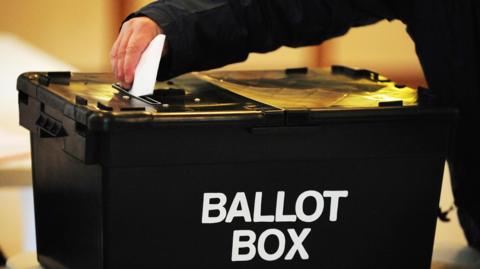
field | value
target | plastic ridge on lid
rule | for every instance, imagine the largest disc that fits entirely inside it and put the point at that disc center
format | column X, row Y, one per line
column 104, row 107
column 390, row 103
column 358, row 73
column 261, row 98
column 61, row 77
column 132, row 109
column 81, row 101
column 300, row 70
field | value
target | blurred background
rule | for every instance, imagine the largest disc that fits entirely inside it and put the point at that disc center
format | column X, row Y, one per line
column 80, row 33
column 77, row 36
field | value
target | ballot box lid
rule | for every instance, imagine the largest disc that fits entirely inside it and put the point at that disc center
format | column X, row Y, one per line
column 298, row 96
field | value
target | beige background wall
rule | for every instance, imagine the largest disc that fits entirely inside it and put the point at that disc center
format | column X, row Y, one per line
column 10, row 220
column 384, row 47
column 77, row 32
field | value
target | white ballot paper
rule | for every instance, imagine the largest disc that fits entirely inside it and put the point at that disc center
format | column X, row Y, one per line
column 147, row 68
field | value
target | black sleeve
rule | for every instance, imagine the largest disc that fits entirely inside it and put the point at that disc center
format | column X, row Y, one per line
column 205, row 34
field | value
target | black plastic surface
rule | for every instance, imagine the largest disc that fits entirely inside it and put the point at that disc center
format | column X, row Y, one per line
column 300, row 70
column 122, row 184
column 357, row 73
column 90, row 100
column 147, row 192
column 50, row 125
column 3, row 260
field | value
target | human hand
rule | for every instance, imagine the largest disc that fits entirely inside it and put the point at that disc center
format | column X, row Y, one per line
column 134, row 38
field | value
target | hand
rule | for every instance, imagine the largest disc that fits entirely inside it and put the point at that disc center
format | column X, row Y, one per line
column 133, row 39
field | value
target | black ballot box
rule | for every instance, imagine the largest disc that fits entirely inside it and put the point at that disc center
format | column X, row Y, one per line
column 297, row 168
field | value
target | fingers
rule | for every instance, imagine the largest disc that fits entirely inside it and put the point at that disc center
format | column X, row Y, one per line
column 114, row 51
column 134, row 51
column 122, row 51
column 133, row 39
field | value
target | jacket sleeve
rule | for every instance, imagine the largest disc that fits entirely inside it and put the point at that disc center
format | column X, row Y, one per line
column 205, row 34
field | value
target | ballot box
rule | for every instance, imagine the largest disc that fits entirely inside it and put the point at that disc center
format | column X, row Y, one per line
column 297, row 168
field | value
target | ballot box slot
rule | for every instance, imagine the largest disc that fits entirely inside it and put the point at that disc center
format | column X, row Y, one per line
column 151, row 100
column 170, row 96
column 174, row 98
column 159, row 97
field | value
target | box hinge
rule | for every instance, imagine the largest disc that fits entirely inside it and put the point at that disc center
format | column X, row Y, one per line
column 294, row 117
column 274, row 117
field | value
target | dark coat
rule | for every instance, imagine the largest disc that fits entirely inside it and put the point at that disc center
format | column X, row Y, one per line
column 204, row 34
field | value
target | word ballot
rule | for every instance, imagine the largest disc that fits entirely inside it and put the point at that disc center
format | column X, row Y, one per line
column 245, row 245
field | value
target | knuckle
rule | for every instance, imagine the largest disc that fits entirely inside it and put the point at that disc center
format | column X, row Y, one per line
column 129, row 70
column 119, row 70
column 141, row 23
column 132, row 48
column 121, row 53
column 137, row 20
column 113, row 50
column 126, row 25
